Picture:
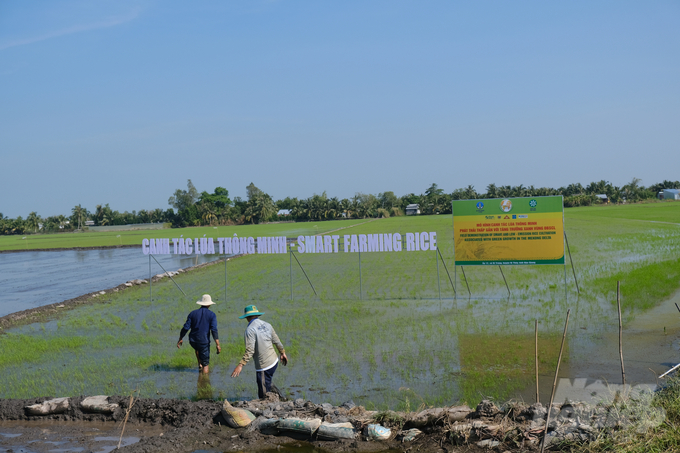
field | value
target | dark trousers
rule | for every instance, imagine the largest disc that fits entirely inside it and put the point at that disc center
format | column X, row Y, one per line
column 264, row 381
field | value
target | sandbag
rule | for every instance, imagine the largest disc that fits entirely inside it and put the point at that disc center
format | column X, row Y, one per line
column 296, row 425
column 236, row 417
column 377, row 432
column 268, row 425
column 410, row 435
column 98, row 404
column 334, row 431
column 438, row 416
column 54, row 406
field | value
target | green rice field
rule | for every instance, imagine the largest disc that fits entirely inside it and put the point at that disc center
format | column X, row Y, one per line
column 391, row 335
column 134, row 237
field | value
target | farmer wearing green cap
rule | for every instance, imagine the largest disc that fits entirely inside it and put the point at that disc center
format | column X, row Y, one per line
column 260, row 339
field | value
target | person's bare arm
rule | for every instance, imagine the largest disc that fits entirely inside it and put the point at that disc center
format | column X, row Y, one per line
column 250, row 350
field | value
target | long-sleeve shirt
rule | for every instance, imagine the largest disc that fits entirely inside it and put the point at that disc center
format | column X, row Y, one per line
column 260, row 338
column 202, row 322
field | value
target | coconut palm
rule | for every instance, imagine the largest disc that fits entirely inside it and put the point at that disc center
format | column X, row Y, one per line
column 33, row 221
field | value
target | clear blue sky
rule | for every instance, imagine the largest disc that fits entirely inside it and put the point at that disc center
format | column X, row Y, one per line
column 121, row 102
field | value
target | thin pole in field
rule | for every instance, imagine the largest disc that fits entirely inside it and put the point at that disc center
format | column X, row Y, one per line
column 578, row 290
column 453, row 241
column 618, row 303
column 168, row 274
column 466, row 282
column 536, row 355
column 439, row 286
column 361, row 291
column 566, row 295
column 290, row 271
column 303, row 271
column 552, row 394
column 447, row 271
column 506, row 282
column 225, row 279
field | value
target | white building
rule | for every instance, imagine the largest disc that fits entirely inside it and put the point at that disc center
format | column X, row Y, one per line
column 671, row 194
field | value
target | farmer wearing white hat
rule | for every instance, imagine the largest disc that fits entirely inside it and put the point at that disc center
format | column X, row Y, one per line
column 202, row 322
column 260, row 339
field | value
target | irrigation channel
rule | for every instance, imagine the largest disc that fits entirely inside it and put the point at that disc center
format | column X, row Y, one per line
column 36, row 278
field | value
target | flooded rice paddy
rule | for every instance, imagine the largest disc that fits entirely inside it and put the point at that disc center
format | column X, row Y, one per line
column 377, row 331
column 33, row 279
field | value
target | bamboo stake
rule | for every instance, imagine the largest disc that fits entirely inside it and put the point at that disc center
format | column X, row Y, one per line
column 618, row 302
column 536, row 355
column 552, row 394
column 127, row 414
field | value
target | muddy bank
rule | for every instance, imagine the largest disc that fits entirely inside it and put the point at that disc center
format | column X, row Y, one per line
column 171, row 425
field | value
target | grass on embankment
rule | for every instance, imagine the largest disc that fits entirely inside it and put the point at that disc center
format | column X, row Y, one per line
column 638, row 438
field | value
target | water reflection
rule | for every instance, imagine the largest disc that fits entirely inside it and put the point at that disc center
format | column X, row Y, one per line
column 204, row 390
column 33, row 279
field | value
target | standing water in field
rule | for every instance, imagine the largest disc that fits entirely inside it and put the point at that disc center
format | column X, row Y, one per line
column 34, row 279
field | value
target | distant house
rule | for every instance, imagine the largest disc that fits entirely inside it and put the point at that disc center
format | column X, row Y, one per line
column 671, row 194
column 412, row 209
column 283, row 212
column 89, row 223
column 603, row 198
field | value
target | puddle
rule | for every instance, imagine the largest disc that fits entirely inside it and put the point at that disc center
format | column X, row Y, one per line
column 66, row 437
column 124, row 443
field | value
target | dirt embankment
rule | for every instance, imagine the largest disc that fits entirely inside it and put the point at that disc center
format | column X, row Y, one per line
column 170, row 425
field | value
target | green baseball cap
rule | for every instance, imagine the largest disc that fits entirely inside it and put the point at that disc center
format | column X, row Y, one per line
column 250, row 310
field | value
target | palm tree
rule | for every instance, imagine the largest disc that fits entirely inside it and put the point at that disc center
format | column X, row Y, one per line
column 260, row 207
column 33, row 221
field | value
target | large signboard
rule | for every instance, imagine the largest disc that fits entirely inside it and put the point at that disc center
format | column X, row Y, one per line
column 509, row 231
column 320, row 243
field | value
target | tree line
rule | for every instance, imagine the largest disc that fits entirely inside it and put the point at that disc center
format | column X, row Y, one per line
column 191, row 208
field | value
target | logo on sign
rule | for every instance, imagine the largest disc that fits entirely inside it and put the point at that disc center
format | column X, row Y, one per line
column 480, row 206
column 506, row 205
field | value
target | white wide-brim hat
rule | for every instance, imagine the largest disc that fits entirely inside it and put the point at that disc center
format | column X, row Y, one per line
column 206, row 300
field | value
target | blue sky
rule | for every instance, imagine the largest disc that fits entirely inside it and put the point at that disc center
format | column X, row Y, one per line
column 121, row 102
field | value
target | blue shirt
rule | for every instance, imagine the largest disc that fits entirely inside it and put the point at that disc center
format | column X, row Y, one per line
column 202, row 322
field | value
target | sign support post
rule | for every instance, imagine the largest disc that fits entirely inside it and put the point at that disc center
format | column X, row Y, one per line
column 439, row 286
column 290, row 271
column 361, row 291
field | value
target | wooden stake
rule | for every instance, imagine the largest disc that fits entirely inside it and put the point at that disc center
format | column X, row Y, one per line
column 552, row 394
column 127, row 414
column 618, row 302
column 536, row 356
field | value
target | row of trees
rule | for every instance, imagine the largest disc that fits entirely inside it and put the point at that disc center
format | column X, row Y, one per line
column 191, row 208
